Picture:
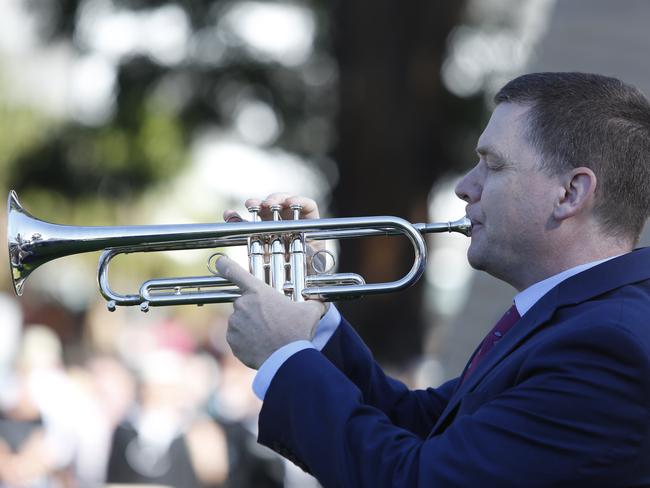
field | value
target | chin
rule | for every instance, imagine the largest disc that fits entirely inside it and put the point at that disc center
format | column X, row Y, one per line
column 476, row 259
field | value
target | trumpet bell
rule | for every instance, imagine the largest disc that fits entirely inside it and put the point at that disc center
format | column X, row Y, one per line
column 23, row 234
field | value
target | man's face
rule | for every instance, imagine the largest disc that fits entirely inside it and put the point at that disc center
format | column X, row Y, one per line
column 510, row 201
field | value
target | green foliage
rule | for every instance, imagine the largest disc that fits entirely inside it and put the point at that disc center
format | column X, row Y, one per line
column 110, row 161
column 158, row 108
column 20, row 130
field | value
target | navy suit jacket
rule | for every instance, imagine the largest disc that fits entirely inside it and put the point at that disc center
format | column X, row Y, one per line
column 562, row 400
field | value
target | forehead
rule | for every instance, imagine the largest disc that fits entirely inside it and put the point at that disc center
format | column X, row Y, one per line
column 505, row 131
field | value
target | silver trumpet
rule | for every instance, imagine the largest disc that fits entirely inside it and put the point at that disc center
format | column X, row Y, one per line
column 277, row 253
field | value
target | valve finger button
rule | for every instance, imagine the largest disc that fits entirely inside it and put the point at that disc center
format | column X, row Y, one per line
column 254, row 211
column 297, row 208
column 275, row 210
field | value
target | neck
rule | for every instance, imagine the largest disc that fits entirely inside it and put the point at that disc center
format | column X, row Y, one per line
column 570, row 254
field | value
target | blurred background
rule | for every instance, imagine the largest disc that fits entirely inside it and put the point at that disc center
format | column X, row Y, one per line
column 121, row 112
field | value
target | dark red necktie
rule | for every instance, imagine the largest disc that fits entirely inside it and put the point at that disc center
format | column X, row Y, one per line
column 504, row 324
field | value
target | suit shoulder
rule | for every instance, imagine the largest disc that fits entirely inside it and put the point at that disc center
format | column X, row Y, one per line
column 595, row 342
column 620, row 316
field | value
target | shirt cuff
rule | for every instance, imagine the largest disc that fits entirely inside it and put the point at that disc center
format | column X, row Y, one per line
column 273, row 363
column 326, row 327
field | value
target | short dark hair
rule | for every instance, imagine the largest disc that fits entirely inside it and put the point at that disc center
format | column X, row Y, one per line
column 582, row 119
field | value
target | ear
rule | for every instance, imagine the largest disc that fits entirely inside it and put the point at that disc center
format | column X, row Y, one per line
column 579, row 187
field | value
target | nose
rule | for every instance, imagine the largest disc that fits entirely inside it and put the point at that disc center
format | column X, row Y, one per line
column 469, row 188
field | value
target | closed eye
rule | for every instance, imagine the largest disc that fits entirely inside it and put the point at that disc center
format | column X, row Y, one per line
column 493, row 158
column 495, row 165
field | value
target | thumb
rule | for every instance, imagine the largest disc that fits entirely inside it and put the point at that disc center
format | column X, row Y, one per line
column 230, row 270
column 317, row 308
column 232, row 216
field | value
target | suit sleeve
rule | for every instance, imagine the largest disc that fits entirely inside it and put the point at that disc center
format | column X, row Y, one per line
column 413, row 410
column 577, row 415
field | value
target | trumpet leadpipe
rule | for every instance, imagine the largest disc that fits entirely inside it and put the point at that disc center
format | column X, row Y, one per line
column 460, row 226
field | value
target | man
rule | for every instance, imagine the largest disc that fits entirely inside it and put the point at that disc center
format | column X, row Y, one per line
column 558, row 397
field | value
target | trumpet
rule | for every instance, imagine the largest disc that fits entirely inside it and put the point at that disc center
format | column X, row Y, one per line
column 277, row 251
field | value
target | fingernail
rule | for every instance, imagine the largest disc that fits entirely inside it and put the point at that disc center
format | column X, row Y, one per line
column 217, row 260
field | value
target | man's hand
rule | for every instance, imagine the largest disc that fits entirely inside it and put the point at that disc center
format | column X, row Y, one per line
column 284, row 201
column 263, row 319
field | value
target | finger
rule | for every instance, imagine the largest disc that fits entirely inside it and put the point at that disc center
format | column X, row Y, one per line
column 231, row 333
column 277, row 198
column 232, row 216
column 253, row 202
column 285, row 200
column 317, row 306
column 241, row 303
column 230, row 270
column 309, row 207
column 316, row 309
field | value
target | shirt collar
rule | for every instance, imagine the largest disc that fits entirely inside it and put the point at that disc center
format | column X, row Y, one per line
column 525, row 300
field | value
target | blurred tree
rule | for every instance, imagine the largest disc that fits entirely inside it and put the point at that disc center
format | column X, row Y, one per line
column 399, row 130
column 396, row 131
column 161, row 104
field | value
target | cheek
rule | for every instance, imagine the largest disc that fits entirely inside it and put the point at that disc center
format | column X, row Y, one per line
column 505, row 216
column 507, row 203
column 535, row 207
column 496, row 206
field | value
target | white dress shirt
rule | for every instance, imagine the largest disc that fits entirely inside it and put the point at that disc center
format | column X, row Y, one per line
column 525, row 300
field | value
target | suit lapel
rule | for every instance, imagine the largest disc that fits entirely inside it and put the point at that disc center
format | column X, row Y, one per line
column 535, row 317
column 629, row 268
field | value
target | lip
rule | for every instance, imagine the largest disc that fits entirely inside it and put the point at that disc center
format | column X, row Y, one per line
column 471, row 213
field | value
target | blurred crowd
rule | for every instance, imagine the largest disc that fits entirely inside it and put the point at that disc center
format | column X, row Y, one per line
column 156, row 407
